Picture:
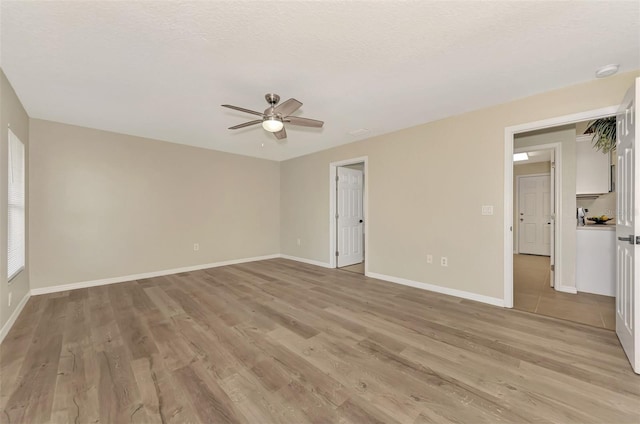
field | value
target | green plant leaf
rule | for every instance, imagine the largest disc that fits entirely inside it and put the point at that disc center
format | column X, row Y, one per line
column 604, row 133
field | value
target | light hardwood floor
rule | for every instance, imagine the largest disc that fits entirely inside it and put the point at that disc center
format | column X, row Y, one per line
column 357, row 268
column 284, row 342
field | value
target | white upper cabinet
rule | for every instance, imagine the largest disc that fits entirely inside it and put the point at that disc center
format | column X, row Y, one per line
column 592, row 168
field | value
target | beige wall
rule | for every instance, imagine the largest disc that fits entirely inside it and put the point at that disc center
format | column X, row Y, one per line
column 13, row 115
column 426, row 188
column 519, row 170
column 566, row 136
column 581, row 127
column 109, row 205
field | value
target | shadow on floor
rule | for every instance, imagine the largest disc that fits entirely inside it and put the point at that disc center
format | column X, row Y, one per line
column 357, row 268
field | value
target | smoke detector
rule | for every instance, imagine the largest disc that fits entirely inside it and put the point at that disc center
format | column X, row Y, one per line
column 607, row 71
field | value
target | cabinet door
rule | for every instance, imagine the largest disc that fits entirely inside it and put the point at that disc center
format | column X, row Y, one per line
column 592, row 168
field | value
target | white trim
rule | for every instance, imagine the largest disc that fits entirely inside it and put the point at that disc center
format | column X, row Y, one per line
column 509, row 133
column 307, row 261
column 438, row 289
column 332, row 208
column 125, row 278
column 566, row 289
column 14, row 316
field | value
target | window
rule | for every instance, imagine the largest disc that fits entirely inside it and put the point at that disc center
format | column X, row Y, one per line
column 16, row 218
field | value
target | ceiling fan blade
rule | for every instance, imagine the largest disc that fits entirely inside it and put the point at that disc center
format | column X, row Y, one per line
column 288, row 107
column 246, row 124
column 241, row 109
column 303, row 122
column 281, row 134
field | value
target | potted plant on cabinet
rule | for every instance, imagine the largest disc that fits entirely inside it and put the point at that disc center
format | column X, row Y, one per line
column 604, row 133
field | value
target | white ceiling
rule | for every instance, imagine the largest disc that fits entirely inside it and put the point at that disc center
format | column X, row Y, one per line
column 162, row 69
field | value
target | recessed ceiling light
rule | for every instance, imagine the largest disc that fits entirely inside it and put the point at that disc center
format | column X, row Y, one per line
column 517, row 157
column 607, row 71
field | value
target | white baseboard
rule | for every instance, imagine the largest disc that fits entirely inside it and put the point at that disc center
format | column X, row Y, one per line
column 125, row 278
column 14, row 316
column 566, row 289
column 84, row 284
column 439, row 289
column 306, row 261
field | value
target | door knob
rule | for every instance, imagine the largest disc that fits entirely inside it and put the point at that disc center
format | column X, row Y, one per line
column 521, row 219
column 361, row 221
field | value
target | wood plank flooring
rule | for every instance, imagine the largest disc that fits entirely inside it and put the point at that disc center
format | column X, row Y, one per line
column 283, row 342
column 358, row 268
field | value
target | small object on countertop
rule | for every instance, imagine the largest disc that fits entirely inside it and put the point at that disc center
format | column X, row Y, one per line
column 581, row 213
column 600, row 219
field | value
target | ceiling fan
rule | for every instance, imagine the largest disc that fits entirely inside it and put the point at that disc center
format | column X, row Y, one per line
column 276, row 115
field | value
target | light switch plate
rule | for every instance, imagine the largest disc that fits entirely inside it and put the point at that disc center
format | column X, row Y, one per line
column 487, row 210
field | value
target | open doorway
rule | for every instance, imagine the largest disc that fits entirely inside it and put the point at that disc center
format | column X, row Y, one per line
column 562, row 267
column 348, row 208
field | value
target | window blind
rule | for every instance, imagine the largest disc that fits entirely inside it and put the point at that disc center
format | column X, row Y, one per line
column 16, row 209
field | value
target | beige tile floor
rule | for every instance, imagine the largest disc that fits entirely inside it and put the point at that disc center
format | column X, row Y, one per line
column 357, row 268
column 532, row 293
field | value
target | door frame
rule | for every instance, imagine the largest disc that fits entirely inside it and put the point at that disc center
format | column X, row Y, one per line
column 516, row 248
column 333, row 241
column 509, row 134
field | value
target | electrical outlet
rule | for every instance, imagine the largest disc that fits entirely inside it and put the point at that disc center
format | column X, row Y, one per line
column 299, row 242
column 196, row 247
column 10, row 298
column 444, row 261
column 487, row 210
column 429, row 259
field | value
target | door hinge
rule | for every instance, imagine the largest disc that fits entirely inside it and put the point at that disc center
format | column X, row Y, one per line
column 337, row 216
column 553, row 267
column 337, row 254
column 637, row 239
column 337, row 178
column 553, row 165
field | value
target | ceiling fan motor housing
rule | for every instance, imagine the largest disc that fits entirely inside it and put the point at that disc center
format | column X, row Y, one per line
column 272, row 99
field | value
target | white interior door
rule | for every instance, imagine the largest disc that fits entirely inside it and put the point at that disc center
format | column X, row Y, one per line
column 627, row 226
column 552, row 218
column 350, row 216
column 534, row 209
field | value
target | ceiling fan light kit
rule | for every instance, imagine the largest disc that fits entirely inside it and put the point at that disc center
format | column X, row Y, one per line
column 272, row 124
column 275, row 116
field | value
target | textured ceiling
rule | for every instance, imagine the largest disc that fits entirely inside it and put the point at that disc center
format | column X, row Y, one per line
column 162, row 69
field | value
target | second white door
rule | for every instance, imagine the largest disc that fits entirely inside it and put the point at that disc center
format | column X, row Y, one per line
column 350, row 216
column 534, row 215
column 628, row 227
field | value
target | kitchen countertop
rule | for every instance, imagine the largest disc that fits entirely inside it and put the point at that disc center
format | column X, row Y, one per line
column 611, row 227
